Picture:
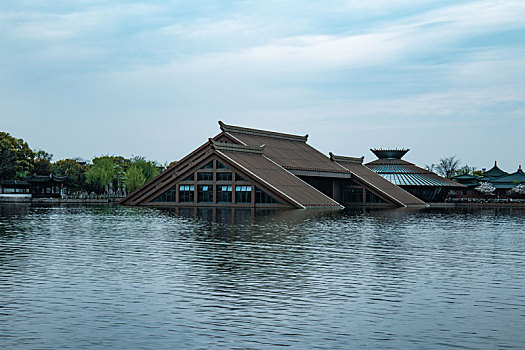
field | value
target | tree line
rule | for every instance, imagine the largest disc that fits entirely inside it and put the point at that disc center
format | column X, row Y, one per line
column 101, row 174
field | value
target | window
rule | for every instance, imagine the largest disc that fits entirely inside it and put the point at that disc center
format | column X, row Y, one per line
column 224, row 194
column 208, row 166
column 221, row 166
column 186, row 193
column 263, row 197
column 239, row 177
column 168, row 196
column 205, row 193
column 189, row 178
column 243, row 194
column 205, row 176
column 353, row 195
column 224, row 176
column 372, row 198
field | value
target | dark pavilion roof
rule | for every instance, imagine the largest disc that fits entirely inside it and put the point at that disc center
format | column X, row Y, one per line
column 493, row 173
column 511, row 180
column 289, row 151
column 44, row 178
column 377, row 182
column 403, row 173
column 467, row 179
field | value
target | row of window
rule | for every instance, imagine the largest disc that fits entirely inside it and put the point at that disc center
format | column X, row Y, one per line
column 208, row 176
column 243, row 194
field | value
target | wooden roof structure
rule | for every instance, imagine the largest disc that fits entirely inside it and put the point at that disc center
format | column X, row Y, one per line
column 372, row 179
column 273, row 162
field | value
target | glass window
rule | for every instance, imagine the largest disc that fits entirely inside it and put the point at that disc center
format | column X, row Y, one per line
column 221, row 166
column 205, row 176
column 372, row 198
column 353, row 195
column 224, row 194
column 239, row 177
column 243, row 194
column 189, row 178
column 186, row 193
column 263, row 197
column 168, row 196
column 205, row 193
column 208, row 166
column 224, row 176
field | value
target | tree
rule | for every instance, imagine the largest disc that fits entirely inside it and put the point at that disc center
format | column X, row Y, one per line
column 466, row 170
column 74, row 169
column 134, row 178
column 42, row 163
column 447, row 167
column 16, row 158
column 485, row 188
column 520, row 189
column 101, row 174
column 149, row 169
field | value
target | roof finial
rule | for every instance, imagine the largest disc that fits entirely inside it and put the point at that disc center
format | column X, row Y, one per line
column 495, row 163
column 520, row 168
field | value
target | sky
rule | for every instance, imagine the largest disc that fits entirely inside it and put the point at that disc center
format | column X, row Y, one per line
column 82, row 78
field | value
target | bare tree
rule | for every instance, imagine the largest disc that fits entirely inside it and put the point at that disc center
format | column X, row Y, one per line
column 447, row 167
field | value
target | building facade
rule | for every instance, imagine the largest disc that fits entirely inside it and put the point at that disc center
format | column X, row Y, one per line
column 243, row 167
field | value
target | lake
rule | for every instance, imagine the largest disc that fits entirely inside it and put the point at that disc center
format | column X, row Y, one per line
column 101, row 277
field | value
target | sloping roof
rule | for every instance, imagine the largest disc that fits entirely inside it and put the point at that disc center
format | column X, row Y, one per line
column 517, row 177
column 274, row 176
column 376, row 181
column 44, row 178
column 495, row 172
column 403, row 173
column 289, row 151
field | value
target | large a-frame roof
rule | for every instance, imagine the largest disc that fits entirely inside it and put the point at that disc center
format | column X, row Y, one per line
column 376, row 181
column 289, row 151
column 252, row 163
column 255, row 163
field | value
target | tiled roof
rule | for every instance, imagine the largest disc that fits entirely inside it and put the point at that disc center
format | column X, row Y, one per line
column 289, row 151
column 376, row 181
column 403, row 173
column 517, row 177
column 495, row 172
column 281, row 180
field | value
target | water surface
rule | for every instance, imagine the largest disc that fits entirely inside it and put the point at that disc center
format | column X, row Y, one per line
column 120, row 277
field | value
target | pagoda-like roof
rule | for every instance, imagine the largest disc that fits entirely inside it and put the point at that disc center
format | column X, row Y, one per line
column 516, row 177
column 495, row 172
column 389, row 153
column 44, row 178
column 403, row 173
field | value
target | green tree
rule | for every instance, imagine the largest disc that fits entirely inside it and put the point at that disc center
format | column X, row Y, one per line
column 16, row 158
column 134, row 178
column 101, row 174
column 74, row 169
column 42, row 163
column 149, row 169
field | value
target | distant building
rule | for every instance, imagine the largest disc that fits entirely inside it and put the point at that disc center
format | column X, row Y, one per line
column 243, row 167
column 46, row 186
column 424, row 184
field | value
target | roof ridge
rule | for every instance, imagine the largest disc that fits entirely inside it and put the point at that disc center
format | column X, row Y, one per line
column 263, row 133
column 336, row 158
column 232, row 147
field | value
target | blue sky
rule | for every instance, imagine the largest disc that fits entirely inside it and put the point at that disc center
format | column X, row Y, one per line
column 86, row 78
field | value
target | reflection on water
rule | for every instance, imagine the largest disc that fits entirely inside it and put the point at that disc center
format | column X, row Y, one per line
column 103, row 276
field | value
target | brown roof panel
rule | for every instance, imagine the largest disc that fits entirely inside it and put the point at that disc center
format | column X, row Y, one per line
column 276, row 177
column 289, row 151
column 376, row 181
